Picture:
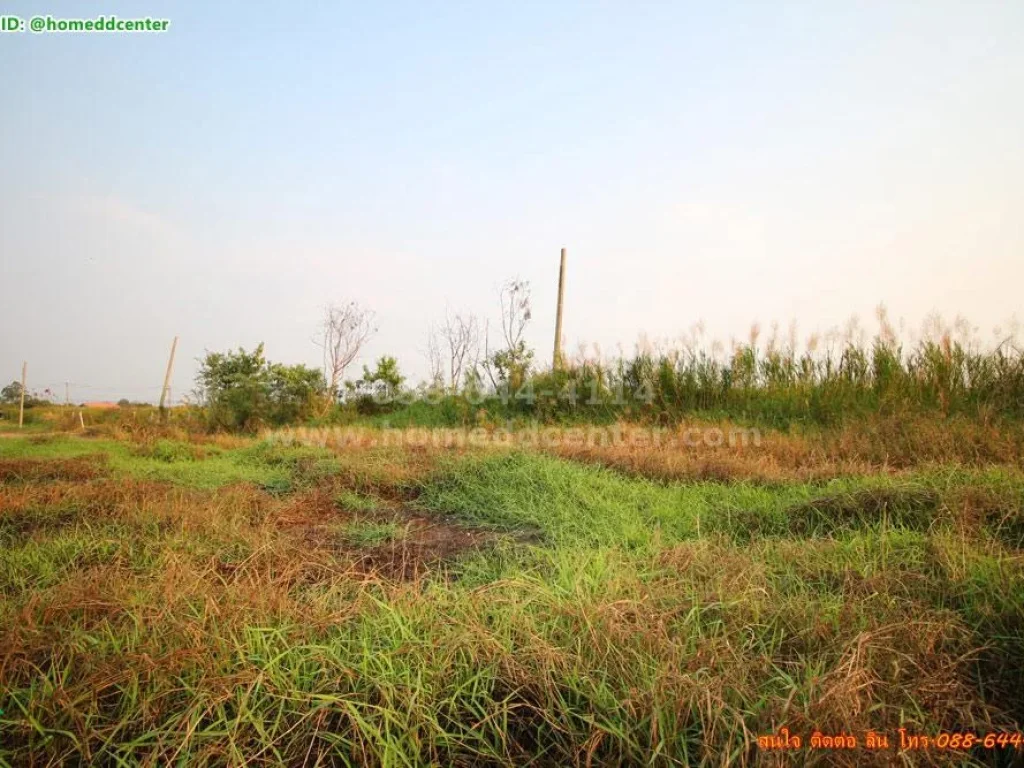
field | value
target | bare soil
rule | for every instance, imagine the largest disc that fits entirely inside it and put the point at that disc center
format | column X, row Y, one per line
column 424, row 545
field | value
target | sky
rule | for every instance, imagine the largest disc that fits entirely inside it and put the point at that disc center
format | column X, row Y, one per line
column 714, row 163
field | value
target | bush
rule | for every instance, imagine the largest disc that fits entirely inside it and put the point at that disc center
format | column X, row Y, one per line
column 244, row 391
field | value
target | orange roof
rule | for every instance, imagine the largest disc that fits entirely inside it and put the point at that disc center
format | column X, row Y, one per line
column 99, row 404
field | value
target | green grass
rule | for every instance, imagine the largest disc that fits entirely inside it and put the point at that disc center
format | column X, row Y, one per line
column 579, row 505
column 273, row 467
column 633, row 622
column 368, row 534
column 356, row 502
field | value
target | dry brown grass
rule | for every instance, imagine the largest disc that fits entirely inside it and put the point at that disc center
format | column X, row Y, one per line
column 883, row 445
column 36, row 470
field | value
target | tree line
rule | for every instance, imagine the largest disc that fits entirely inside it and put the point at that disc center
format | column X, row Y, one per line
column 242, row 390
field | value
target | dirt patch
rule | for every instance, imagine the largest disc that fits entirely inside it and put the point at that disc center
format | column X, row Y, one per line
column 424, row 545
column 389, row 541
column 413, row 545
column 310, row 510
column 44, row 470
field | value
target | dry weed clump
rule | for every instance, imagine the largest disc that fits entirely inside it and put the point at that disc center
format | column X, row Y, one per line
column 391, row 473
column 46, row 470
column 906, row 441
column 773, row 457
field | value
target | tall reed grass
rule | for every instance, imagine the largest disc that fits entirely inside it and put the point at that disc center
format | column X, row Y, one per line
column 776, row 385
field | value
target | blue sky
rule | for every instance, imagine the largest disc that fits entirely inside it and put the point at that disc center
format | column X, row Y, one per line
column 724, row 163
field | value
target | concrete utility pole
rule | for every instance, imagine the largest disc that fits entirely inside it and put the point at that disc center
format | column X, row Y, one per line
column 21, row 411
column 167, row 378
column 556, row 361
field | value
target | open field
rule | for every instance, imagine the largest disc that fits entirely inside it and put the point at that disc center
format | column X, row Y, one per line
column 229, row 600
column 500, row 385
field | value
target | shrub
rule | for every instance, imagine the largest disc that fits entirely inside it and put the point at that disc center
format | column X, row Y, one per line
column 243, row 391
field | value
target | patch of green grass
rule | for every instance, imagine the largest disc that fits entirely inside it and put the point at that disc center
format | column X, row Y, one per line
column 170, row 451
column 56, row 447
column 364, row 533
column 585, row 505
column 40, row 563
column 356, row 502
column 277, row 468
column 15, row 527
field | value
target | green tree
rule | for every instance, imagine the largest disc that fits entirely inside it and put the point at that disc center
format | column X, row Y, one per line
column 386, row 381
column 508, row 368
column 244, row 391
column 378, row 390
column 11, row 393
column 294, row 391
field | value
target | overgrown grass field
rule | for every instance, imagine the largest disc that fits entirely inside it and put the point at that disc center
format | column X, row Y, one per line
column 213, row 601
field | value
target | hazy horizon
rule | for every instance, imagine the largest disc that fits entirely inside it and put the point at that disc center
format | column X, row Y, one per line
column 224, row 180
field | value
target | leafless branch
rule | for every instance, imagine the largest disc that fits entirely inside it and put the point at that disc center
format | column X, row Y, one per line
column 434, row 357
column 343, row 333
column 515, row 311
column 461, row 336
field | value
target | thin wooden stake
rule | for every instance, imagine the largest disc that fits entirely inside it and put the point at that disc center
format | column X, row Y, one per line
column 167, row 379
column 21, row 410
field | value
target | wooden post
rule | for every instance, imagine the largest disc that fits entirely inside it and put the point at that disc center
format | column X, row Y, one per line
column 556, row 361
column 167, row 378
column 21, row 411
column 67, row 397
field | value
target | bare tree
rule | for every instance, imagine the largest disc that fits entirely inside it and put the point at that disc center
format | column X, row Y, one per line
column 487, row 362
column 515, row 311
column 461, row 336
column 344, row 331
column 434, row 357
column 510, row 364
